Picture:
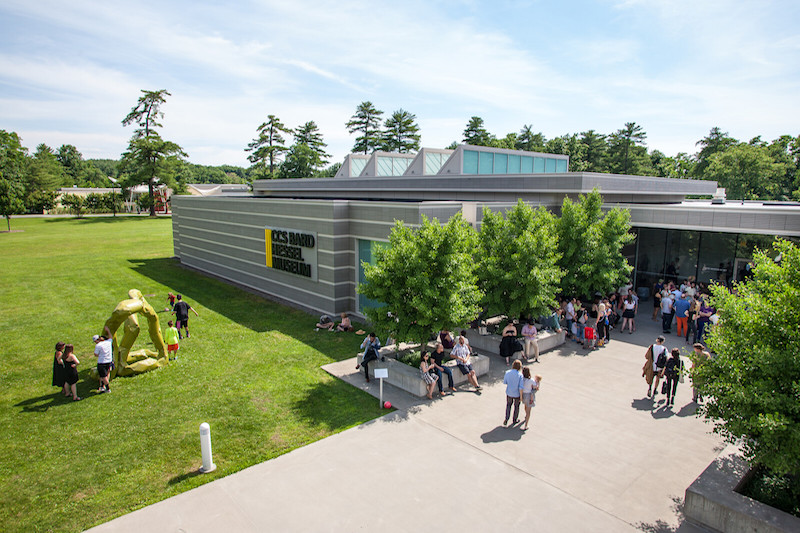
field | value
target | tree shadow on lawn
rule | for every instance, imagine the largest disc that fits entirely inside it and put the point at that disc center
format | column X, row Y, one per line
column 126, row 217
column 337, row 405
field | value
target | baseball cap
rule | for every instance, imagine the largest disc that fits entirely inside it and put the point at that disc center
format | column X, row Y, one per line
column 95, row 338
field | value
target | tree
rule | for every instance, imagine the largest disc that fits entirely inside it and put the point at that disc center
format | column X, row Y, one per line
column 268, row 146
column 475, row 134
column 365, row 121
column 596, row 151
column 45, row 175
column 150, row 160
column 301, row 161
column 425, row 280
column 11, row 203
column 149, row 157
column 74, row 203
column 716, row 141
column 623, row 153
column 517, row 261
column 529, row 141
column 747, row 172
column 309, row 135
column 401, row 132
column 147, row 112
column 752, row 386
column 112, row 201
column 591, row 244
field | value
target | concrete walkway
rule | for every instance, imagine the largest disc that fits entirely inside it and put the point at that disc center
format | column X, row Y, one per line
column 600, row 456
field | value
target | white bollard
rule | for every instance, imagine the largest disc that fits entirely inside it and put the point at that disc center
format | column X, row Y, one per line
column 205, row 449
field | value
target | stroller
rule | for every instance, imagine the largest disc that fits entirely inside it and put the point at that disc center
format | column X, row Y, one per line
column 590, row 338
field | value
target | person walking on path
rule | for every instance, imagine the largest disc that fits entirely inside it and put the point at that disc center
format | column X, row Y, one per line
column 699, row 358
column 437, row 360
column 513, row 382
column 659, row 362
column 181, row 312
column 461, row 353
column 531, row 345
column 59, row 373
column 528, row 393
column 648, row 370
column 104, row 352
column 171, row 337
column 71, row 371
column 429, row 379
column 371, row 347
column 673, row 371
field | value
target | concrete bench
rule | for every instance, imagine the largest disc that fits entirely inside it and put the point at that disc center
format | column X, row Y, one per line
column 490, row 344
column 407, row 377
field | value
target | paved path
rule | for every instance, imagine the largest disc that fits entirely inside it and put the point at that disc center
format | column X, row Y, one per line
column 599, row 457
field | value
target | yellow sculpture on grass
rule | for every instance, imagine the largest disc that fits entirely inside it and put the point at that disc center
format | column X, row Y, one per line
column 127, row 362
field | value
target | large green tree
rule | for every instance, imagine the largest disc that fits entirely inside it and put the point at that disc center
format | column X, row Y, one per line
column 424, row 280
column 596, row 151
column 517, row 260
column 752, row 386
column 11, row 199
column 590, row 244
column 365, row 122
column 13, row 167
column 45, row 175
column 401, row 132
column 716, row 141
column 268, row 146
column 149, row 158
column 476, row 134
column 309, row 135
column 747, row 172
column 301, row 162
column 529, row 141
column 626, row 152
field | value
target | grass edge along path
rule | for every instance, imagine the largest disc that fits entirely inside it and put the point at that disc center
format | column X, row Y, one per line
column 251, row 369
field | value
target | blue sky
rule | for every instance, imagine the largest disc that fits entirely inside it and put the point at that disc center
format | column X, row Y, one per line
column 70, row 71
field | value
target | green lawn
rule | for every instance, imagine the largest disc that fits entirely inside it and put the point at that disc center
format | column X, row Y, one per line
column 251, row 370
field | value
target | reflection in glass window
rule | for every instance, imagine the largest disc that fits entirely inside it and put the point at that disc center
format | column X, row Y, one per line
column 716, row 257
column 538, row 165
column 366, row 254
column 470, row 162
column 513, row 164
column 549, row 165
column 561, row 165
column 486, row 164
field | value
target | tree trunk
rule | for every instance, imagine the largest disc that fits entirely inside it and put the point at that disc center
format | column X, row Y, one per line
column 152, row 197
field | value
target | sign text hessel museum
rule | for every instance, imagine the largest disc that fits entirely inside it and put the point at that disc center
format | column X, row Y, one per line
column 292, row 251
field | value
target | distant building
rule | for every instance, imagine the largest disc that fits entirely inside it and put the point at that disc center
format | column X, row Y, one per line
column 303, row 241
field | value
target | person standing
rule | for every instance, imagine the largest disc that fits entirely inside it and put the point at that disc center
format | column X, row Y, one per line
column 682, row 305
column 659, row 362
column 71, row 371
column 461, row 352
column 528, row 393
column 513, row 382
column 703, row 318
column 531, row 346
column 437, row 360
column 667, row 312
column 569, row 316
column 628, row 314
column 181, row 312
column 509, row 345
column 371, row 347
column 699, row 358
column 691, row 320
column 429, row 379
column 104, row 352
column 59, row 375
column 171, row 337
column 601, row 325
column 657, row 287
column 673, row 371
column 648, row 370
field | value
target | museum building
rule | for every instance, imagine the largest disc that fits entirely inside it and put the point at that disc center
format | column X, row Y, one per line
column 303, row 241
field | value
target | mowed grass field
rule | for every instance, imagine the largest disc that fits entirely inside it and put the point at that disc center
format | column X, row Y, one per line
column 251, row 369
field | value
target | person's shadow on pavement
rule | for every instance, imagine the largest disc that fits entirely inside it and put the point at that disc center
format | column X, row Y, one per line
column 502, row 433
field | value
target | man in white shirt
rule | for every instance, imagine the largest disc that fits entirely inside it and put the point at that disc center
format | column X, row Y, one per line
column 667, row 311
column 659, row 362
column 104, row 352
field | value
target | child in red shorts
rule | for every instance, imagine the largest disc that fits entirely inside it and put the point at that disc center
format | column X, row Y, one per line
column 171, row 338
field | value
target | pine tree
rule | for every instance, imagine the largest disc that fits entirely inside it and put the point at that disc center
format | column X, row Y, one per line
column 365, row 121
column 401, row 132
column 269, row 145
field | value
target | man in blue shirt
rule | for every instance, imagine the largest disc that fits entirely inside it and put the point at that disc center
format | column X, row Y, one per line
column 682, row 305
column 371, row 347
column 513, row 382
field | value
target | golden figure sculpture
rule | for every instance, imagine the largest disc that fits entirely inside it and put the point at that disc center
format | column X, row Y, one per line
column 127, row 362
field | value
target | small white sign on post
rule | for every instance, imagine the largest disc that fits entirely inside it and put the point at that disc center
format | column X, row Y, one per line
column 381, row 374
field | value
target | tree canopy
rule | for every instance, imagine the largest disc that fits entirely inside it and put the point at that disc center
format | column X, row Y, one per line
column 268, row 146
column 401, row 132
column 476, row 134
column 424, row 280
column 517, row 259
column 752, row 386
column 365, row 122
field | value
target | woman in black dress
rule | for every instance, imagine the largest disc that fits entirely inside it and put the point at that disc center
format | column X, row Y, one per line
column 59, row 375
column 71, row 369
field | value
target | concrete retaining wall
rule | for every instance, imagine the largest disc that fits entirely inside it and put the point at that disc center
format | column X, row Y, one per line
column 712, row 501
